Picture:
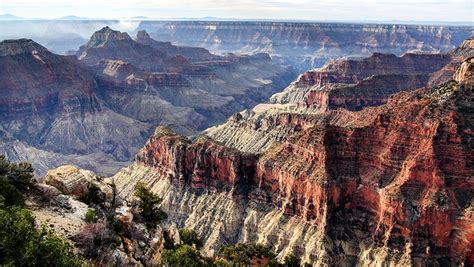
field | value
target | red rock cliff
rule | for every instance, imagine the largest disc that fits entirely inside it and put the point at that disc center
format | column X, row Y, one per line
column 203, row 164
column 403, row 181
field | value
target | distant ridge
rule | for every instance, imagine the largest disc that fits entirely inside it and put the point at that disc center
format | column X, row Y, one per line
column 72, row 17
column 10, row 17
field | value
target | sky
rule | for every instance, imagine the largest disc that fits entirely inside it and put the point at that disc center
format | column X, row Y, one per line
column 332, row 10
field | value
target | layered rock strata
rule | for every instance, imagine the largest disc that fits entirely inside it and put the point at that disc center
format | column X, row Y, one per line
column 99, row 110
column 308, row 45
column 327, row 93
column 386, row 185
column 49, row 107
column 185, row 88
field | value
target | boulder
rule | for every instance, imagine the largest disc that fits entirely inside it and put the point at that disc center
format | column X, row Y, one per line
column 70, row 180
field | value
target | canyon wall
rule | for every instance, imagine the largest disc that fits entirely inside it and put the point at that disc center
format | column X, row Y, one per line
column 308, row 45
column 327, row 93
column 50, row 108
column 390, row 184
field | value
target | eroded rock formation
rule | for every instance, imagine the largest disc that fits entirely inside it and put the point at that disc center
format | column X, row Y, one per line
column 185, row 88
column 97, row 111
column 50, row 107
column 70, row 180
column 390, row 184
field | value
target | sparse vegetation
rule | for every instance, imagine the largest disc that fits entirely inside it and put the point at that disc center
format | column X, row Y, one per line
column 246, row 255
column 190, row 237
column 91, row 216
column 292, row 261
column 95, row 195
column 95, row 239
column 21, row 243
column 184, row 255
column 187, row 253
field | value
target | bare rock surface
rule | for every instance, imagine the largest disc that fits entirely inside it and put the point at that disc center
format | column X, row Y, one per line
column 70, row 180
column 309, row 45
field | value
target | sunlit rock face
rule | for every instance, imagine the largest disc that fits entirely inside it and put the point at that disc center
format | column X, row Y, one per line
column 389, row 184
column 328, row 93
column 308, row 45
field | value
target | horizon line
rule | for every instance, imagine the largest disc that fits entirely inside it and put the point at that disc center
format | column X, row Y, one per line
column 230, row 19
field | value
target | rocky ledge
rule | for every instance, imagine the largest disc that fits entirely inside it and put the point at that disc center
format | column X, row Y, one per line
column 20, row 46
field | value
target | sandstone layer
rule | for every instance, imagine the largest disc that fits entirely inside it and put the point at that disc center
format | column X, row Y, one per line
column 185, row 88
column 327, row 93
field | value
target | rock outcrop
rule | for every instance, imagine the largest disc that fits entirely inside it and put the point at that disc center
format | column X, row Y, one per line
column 193, row 54
column 22, row 46
column 355, row 84
column 464, row 75
column 102, row 228
column 390, row 184
column 70, row 180
column 49, row 104
column 327, row 93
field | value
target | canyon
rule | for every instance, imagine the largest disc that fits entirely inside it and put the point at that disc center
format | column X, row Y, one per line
column 97, row 108
column 388, row 184
column 366, row 158
column 303, row 45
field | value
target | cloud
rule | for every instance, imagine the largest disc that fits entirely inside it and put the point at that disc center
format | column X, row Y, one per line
column 433, row 10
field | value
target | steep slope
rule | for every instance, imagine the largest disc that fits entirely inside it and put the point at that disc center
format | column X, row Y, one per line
column 326, row 94
column 98, row 110
column 110, row 44
column 193, row 54
column 367, row 77
column 186, row 88
column 49, row 102
column 386, row 185
column 308, row 45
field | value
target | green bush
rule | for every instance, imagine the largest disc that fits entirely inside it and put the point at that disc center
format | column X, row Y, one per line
column 11, row 195
column 17, row 174
column 292, row 261
column 150, row 212
column 21, row 243
column 95, row 195
column 91, row 216
column 236, row 254
column 190, row 237
column 14, row 178
column 183, row 256
column 242, row 254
